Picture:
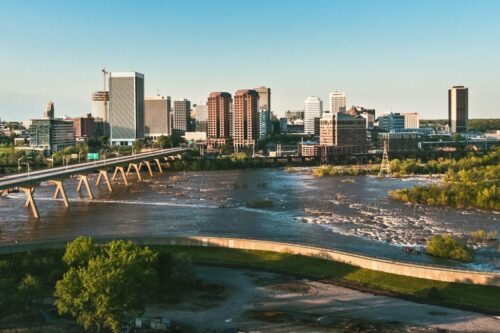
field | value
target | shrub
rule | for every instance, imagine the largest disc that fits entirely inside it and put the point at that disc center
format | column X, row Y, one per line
column 445, row 246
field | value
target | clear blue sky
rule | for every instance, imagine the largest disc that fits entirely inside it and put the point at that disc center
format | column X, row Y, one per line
column 391, row 55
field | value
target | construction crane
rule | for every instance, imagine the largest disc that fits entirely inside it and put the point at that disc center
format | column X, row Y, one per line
column 104, row 74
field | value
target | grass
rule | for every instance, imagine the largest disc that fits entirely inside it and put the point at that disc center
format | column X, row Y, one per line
column 474, row 297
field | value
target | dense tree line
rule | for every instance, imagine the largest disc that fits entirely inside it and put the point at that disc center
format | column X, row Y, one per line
column 470, row 182
column 100, row 286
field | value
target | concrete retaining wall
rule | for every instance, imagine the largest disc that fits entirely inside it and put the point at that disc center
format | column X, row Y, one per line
column 388, row 266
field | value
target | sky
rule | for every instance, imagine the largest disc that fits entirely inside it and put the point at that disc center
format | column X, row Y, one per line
column 399, row 56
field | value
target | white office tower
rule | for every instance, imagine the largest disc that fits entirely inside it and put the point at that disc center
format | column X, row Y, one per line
column 126, row 107
column 411, row 120
column 337, row 102
column 156, row 116
column 313, row 110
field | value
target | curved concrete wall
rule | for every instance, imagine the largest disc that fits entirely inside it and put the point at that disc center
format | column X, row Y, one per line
column 388, row 266
column 377, row 264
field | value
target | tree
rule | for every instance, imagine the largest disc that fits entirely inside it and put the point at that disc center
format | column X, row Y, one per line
column 29, row 291
column 108, row 288
column 138, row 145
column 446, row 246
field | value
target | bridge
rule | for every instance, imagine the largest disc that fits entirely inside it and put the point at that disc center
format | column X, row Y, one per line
column 28, row 181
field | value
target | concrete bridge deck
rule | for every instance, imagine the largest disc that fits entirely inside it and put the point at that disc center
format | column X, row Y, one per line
column 28, row 181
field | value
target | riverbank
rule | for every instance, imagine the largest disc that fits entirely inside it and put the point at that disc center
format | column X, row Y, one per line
column 458, row 295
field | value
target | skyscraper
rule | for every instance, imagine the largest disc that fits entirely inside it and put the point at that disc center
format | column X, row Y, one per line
column 49, row 111
column 264, row 98
column 246, row 117
column 126, row 107
column 458, row 109
column 219, row 107
column 156, row 116
column 182, row 117
column 313, row 109
column 201, row 118
column 264, row 108
column 337, row 102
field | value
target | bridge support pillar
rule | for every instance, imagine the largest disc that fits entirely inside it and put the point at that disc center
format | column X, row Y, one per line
column 104, row 175
column 137, row 169
column 60, row 189
column 30, row 201
column 148, row 165
column 83, row 179
column 122, row 172
column 157, row 160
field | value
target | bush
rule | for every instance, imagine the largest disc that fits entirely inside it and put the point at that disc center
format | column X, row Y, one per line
column 445, row 246
column 481, row 235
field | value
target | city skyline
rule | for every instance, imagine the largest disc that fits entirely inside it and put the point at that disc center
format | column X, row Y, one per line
column 297, row 51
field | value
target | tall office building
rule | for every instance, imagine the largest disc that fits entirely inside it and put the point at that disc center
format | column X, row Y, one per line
column 156, row 116
column 458, row 109
column 264, row 98
column 313, row 109
column 219, row 108
column 337, row 102
column 264, row 108
column 411, row 120
column 49, row 111
column 246, row 117
column 182, row 117
column 201, row 118
column 100, row 101
column 126, row 107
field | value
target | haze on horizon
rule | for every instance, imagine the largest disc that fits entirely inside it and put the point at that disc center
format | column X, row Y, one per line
column 388, row 55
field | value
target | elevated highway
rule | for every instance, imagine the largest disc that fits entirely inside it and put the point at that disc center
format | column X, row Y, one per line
column 28, row 181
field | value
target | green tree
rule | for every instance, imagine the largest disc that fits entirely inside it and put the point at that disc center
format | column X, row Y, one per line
column 80, row 251
column 111, row 288
column 445, row 246
column 29, row 291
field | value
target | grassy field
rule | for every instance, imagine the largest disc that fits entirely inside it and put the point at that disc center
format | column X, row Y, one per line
column 474, row 297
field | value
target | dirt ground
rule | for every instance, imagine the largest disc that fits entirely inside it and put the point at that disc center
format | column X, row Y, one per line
column 265, row 302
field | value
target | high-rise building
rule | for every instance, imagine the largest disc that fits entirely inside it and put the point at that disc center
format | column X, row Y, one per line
column 313, row 109
column 100, row 101
column 391, row 122
column 246, row 117
column 458, row 109
column 411, row 120
column 182, row 117
column 201, row 118
column 156, row 116
column 126, row 107
column 264, row 123
column 49, row 111
column 337, row 102
column 264, row 98
column 219, row 108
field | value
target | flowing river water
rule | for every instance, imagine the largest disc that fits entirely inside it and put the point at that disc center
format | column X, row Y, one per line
column 348, row 213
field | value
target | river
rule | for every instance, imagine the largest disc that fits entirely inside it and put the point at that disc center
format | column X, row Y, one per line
column 348, row 213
